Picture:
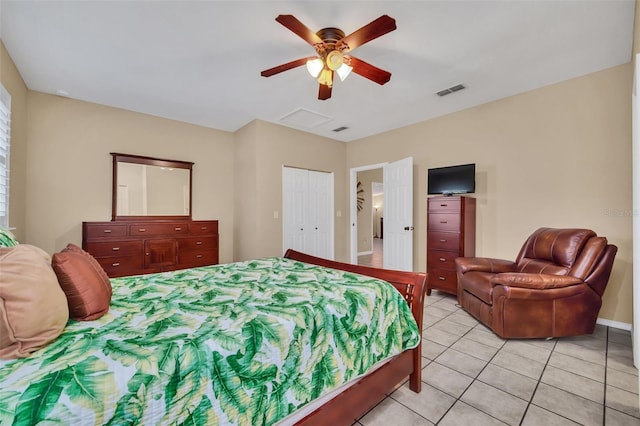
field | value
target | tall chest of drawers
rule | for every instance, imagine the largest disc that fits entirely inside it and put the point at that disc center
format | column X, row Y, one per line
column 142, row 247
column 451, row 233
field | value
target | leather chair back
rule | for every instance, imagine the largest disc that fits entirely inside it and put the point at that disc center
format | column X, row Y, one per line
column 599, row 277
column 556, row 252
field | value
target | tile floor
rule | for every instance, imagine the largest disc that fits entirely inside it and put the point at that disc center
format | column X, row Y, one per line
column 472, row 377
column 375, row 258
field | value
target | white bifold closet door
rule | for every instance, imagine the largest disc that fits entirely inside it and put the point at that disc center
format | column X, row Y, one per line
column 307, row 211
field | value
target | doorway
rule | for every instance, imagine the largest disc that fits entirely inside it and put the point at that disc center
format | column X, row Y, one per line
column 397, row 178
column 370, row 210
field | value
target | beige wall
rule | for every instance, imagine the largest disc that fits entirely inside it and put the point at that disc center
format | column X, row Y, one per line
column 12, row 81
column 558, row 156
column 245, row 189
column 69, row 166
column 262, row 149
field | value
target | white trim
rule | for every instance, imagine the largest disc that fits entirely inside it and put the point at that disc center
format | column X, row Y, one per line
column 614, row 324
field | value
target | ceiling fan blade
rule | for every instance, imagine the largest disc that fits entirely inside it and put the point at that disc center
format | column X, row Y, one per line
column 372, row 30
column 324, row 92
column 367, row 70
column 285, row 67
column 299, row 28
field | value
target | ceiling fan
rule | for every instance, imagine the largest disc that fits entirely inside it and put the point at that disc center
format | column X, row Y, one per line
column 332, row 46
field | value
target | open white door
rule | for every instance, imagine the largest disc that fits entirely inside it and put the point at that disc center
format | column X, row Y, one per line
column 398, row 215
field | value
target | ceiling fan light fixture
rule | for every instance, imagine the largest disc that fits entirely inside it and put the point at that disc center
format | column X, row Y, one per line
column 326, row 77
column 314, row 66
column 334, row 60
column 344, row 71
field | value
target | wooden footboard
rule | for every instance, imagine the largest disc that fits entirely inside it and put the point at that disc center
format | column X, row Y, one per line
column 350, row 405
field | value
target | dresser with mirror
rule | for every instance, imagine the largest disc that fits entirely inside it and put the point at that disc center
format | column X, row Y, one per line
column 151, row 228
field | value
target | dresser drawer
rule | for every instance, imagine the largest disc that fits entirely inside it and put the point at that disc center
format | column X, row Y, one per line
column 115, row 248
column 102, row 230
column 204, row 227
column 121, row 266
column 160, row 229
column 444, row 280
column 198, row 243
column 191, row 258
column 443, row 204
column 447, row 241
column 441, row 259
column 443, row 222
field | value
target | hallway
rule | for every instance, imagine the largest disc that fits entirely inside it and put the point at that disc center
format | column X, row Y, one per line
column 374, row 259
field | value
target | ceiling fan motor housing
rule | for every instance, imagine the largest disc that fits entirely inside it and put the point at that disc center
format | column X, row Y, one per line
column 327, row 50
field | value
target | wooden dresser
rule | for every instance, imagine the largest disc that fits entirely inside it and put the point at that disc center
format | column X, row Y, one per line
column 133, row 247
column 451, row 233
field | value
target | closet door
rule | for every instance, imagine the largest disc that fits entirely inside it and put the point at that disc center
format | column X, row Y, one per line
column 319, row 217
column 294, row 184
column 307, row 219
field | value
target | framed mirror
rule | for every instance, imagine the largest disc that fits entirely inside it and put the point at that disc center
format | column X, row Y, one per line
column 150, row 188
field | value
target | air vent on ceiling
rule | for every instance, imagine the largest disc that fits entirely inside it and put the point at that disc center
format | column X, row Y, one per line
column 450, row 90
column 339, row 129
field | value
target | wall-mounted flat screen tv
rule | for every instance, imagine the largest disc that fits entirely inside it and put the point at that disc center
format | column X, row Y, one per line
column 450, row 180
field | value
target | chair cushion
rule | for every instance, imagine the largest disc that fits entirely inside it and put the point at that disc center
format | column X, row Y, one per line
column 479, row 284
column 536, row 266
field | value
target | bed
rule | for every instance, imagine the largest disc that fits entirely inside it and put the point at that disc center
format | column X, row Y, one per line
column 255, row 342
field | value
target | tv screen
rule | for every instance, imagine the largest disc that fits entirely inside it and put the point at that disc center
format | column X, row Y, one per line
column 452, row 179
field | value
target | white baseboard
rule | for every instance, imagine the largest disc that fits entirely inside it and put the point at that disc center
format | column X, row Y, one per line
column 365, row 253
column 614, row 324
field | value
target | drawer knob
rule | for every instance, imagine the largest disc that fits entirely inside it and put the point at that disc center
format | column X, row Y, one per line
column 107, row 231
column 441, row 278
column 198, row 243
column 142, row 230
column 443, row 221
column 115, row 248
column 198, row 256
column 178, row 228
column 442, row 259
column 443, row 241
column 444, row 205
column 115, row 265
column 204, row 228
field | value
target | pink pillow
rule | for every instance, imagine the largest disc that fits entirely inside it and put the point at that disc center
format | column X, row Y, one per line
column 33, row 308
column 84, row 282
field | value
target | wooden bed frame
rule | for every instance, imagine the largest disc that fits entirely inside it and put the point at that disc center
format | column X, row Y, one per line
column 348, row 406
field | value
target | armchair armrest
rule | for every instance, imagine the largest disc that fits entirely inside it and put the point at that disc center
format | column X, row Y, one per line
column 484, row 264
column 534, row 281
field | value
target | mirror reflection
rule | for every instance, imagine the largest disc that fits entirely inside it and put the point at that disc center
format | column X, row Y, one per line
column 150, row 187
column 145, row 190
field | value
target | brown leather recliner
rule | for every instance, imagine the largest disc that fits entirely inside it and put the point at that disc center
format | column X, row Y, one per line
column 554, row 288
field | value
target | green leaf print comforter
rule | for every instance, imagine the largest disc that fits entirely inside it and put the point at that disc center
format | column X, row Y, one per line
column 242, row 343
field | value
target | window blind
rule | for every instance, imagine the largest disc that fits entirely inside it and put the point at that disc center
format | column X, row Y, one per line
column 5, row 136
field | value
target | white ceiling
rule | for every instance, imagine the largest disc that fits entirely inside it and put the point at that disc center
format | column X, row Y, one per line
column 200, row 61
